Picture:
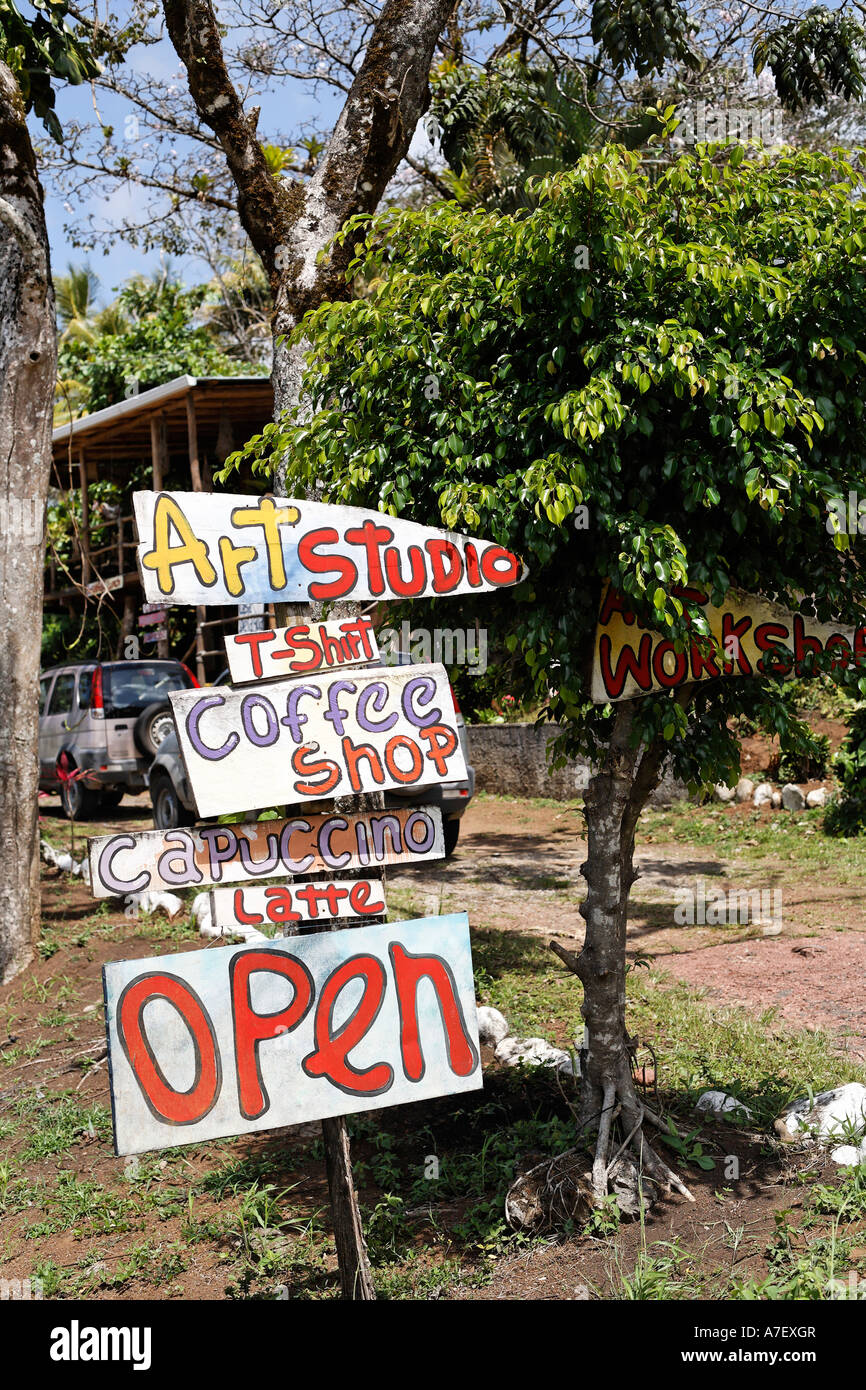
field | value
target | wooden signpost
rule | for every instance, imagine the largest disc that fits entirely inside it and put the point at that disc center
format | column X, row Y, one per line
column 751, row 637
column 214, row 548
column 238, row 1039
column 300, row 740
column 314, row 843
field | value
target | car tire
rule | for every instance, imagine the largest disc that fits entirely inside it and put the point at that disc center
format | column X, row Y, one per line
column 452, row 833
column 110, row 799
column 168, row 809
column 151, row 728
column 78, row 802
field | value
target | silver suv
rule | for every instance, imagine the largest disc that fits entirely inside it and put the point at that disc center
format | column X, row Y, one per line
column 100, row 727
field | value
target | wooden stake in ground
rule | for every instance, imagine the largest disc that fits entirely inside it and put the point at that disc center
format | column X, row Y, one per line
column 356, row 1279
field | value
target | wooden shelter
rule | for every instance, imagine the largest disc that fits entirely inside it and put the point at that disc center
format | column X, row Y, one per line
column 172, row 436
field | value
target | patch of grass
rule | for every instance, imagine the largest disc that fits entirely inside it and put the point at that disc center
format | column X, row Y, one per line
column 55, row 1123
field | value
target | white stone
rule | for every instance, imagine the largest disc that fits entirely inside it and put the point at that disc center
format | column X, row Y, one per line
column 492, row 1027
column 792, row 797
column 817, row 797
column 846, row 1155
column 719, row 1103
column 533, row 1052
column 744, row 789
column 776, row 801
column 64, row 862
column 200, row 906
column 832, row 1114
column 724, row 793
column 763, row 795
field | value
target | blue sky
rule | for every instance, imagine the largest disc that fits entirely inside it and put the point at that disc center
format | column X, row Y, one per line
column 291, row 110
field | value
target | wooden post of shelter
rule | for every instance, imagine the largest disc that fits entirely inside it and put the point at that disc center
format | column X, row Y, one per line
column 197, row 484
column 84, row 534
column 159, row 468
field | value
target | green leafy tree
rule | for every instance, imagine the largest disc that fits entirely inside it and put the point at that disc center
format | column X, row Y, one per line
column 151, row 336
column 41, row 50
column 683, row 354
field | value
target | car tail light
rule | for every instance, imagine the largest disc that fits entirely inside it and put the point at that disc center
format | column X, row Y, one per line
column 193, row 682
column 457, row 709
column 97, row 707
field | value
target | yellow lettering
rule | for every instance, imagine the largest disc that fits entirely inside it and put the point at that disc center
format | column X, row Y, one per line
column 270, row 517
column 164, row 556
column 233, row 556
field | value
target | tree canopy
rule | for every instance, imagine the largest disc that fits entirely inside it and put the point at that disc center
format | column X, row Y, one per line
column 682, row 354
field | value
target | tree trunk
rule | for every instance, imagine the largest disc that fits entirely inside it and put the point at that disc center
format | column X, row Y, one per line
column 27, row 372
column 611, row 1116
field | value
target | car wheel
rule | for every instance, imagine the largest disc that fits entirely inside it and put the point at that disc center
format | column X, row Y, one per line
column 168, row 810
column 452, row 832
column 152, row 727
column 77, row 801
column 110, row 799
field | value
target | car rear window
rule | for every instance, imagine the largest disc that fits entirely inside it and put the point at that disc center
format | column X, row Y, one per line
column 127, row 689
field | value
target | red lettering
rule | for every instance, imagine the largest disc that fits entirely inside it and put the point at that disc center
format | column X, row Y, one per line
column 305, row 762
column 352, row 757
column 254, row 640
column 638, row 667
column 359, row 899
column 737, row 631
column 766, row 635
column 403, row 741
column 279, row 908
column 174, row 1107
column 409, row 970
column 613, row 602
column 444, row 579
column 838, row 643
column 491, row 561
column 443, row 742
column 330, row 1058
column 415, row 584
column 299, row 637
column 473, row 574
column 371, row 537
column 326, row 564
column 681, row 665
column 252, row 1029
column 805, row 647
column 247, row 919
column 703, row 664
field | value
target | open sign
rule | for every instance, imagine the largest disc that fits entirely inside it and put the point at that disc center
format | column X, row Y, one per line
column 234, row 1040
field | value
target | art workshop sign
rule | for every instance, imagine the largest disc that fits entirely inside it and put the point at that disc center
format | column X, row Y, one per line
column 752, row 637
column 237, row 1039
column 215, row 548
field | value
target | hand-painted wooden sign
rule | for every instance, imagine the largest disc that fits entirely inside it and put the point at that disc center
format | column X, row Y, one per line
column 240, row 1039
column 200, row 548
column 751, row 637
column 285, row 905
column 310, row 844
column 300, row 649
column 297, row 740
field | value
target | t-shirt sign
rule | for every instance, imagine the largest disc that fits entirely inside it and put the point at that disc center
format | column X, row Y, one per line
column 239, row 1039
column 330, row 735
column 215, row 548
column 752, row 637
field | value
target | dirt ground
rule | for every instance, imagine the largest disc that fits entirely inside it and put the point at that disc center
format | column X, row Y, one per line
column 516, row 870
